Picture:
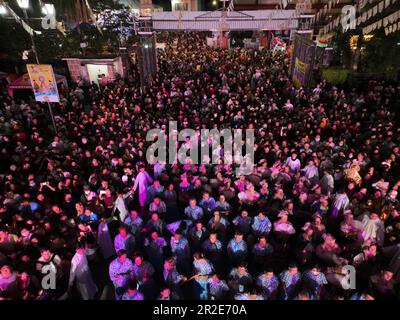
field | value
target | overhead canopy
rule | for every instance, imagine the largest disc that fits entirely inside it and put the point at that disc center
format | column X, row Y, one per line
column 24, row 82
column 232, row 20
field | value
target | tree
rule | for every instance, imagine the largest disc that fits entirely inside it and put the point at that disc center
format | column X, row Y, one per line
column 73, row 12
column 381, row 54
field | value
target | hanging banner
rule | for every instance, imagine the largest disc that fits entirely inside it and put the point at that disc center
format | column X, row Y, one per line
column 299, row 73
column 380, row 6
column 43, row 82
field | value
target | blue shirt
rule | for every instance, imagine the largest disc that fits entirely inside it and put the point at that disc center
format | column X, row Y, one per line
column 203, row 268
column 172, row 276
column 246, row 296
column 262, row 251
column 124, row 270
column 217, row 289
column 223, row 206
column 180, row 248
column 209, row 247
column 269, row 285
column 156, row 245
column 261, row 227
column 145, row 270
column 314, row 282
column 194, row 213
column 288, row 279
column 208, row 205
column 158, row 225
column 222, row 221
column 136, row 296
column 153, row 192
column 289, row 283
column 133, row 224
column 127, row 243
column 92, row 217
column 237, row 248
column 242, row 224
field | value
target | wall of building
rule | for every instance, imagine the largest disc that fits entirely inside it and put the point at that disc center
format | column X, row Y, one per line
column 74, row 67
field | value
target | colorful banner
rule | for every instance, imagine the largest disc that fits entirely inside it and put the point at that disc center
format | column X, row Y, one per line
column 299, row 73
column 278, row 44
column 43, row 82
column 324, row 40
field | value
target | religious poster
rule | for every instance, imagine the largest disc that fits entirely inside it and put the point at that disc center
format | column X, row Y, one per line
column 43, row 82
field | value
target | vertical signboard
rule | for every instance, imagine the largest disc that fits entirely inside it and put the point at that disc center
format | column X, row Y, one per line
column 302, row 61
column 299, row 73
column 43, row 82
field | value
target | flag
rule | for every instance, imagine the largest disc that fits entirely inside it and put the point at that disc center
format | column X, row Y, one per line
column 231, row 6
column 180, row 19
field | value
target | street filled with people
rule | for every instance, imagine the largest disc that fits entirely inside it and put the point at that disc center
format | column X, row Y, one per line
column 84, row 214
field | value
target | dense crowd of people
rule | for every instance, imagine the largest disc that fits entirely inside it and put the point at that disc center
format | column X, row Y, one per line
column 86, row 207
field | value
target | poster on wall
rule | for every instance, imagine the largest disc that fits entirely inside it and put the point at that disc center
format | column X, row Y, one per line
column 299, row 73
column 43, row 82
column 283, row 35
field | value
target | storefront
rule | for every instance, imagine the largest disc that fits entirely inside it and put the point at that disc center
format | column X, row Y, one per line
column 95, row 70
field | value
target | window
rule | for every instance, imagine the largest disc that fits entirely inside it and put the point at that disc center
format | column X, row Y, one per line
column 181, row 7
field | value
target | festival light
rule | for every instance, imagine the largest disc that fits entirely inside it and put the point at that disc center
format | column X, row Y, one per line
column 3, row 9
column 23, row 4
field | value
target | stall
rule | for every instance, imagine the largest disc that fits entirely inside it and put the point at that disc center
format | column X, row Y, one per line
column 95, row 70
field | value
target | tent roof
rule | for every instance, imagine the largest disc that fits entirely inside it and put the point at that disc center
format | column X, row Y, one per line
column 24, row 82
column 11, row 76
